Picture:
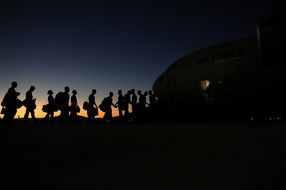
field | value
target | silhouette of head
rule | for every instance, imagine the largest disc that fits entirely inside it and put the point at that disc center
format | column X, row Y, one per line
column 132, row 90
column 93, row 91
column 14, row 84
column 150, row 92
column 139, row 92
column 50, row 92
column 74, row 92
column 119, row 92
column 67, row 89
column 110, row 94
column 32, row 88
column 129, row 92
column 145, row 93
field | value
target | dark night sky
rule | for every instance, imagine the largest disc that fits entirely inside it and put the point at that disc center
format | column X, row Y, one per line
column 111, row 45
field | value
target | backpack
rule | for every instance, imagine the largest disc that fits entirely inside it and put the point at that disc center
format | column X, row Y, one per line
column 86, row 105
column 104, row 105
column 59, row 99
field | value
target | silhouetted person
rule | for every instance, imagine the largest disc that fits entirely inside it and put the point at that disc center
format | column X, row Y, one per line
column 91, row 112
column 51, row 105
column 65, row 104
column 30, row 104
column 120, row 103
column 141, row 106
column 74, row 109
column 10, row 102
column 126, row 101
column 133, row 100
column 142, row 100
column 152, row 100
column 146, row 94
column 108, row 110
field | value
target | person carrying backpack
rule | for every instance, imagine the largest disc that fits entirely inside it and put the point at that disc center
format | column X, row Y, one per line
column 30, row 104
column 62, row 103
column 10, row 103
column 92, row 109
column 74, row 108
column 106, row 107
column 120, row 104
column 51, row 107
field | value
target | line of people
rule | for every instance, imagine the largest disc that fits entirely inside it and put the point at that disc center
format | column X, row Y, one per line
column 138, row 104
column 130, row 106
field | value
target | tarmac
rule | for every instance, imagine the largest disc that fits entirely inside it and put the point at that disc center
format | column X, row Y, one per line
column 213, row 155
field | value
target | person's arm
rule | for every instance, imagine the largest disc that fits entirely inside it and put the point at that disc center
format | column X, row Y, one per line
column 114, row 105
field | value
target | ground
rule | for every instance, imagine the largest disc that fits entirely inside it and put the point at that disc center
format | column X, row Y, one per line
column 220, row 155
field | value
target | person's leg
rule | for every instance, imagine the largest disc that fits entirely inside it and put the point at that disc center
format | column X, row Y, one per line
column 33, row 114
column 26, row 114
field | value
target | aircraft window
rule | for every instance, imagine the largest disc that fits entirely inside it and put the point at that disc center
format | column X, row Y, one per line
column 204, row 84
